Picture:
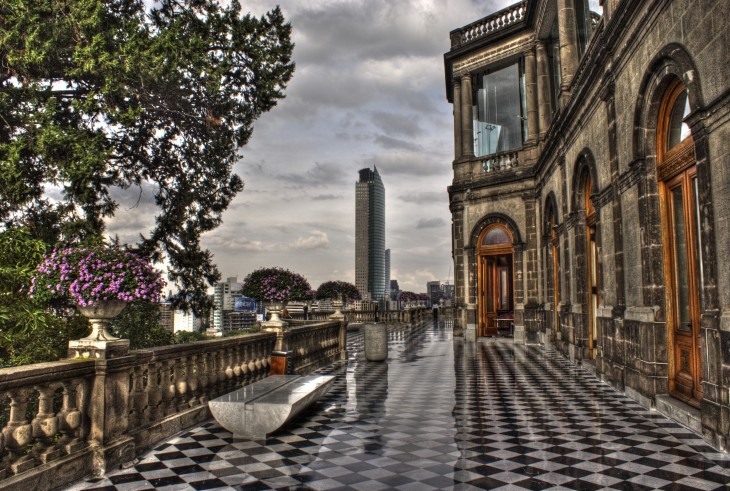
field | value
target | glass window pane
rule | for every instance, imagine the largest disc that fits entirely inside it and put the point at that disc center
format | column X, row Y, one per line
column 678, row 130
column 681, row 265
column 496, row 235
column 498, row 111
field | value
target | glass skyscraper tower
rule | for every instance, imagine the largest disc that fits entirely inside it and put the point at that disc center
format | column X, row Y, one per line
column 370, row 235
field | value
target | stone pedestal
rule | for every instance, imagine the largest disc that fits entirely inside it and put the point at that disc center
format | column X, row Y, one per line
column 98, row 349
column 376, row 342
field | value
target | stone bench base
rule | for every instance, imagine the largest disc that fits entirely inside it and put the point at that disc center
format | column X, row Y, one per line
column 255, row 411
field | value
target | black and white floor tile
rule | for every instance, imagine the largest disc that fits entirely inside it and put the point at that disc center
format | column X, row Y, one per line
column 444, row 414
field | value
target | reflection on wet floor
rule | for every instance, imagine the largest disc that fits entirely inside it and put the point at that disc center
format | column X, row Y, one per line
column 443, row 413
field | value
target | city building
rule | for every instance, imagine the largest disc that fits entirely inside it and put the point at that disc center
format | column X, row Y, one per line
column 224, row 299
column 386, row 293
column 394, row 289
column 186, row 321
column 166, row 316
column 370, row 235
column 590, row 197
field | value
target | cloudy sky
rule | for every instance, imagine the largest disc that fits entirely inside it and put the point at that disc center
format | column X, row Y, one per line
column 368, row 90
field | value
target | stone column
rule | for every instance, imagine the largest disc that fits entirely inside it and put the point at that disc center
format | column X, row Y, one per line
column 532, row 95
column 568, row 46
column 457, row 119
column 543, row 89
column 467, row 133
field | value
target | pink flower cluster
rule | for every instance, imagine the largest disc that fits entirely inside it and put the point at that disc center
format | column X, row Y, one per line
column 87, row 275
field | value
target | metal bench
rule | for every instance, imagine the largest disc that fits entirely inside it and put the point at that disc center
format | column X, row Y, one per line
column 259, row 409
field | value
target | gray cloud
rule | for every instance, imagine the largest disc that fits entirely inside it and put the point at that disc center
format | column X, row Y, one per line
column 431, row 223
column 407, row 164
column 321, row 174
column 396, row 124
column 425, row 197
column 326, row 197
column 317, row 240
column 390, row 143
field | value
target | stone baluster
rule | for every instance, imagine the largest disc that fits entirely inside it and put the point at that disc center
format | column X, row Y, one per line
column 248, row 370
column 204, row 377
column 167, row 382
column 136, row 397
column 230, row 382
column 154, row 393
column 45, row 427
column 258, row 364
column 220, row 371
column 69, row 418
column 181, row 384
column 18, row 432
column 239, row 361
column 191, row 377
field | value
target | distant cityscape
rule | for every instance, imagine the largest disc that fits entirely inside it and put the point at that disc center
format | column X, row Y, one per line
column 232, row 311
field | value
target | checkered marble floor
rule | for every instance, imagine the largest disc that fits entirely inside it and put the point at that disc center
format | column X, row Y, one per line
column 444, row 414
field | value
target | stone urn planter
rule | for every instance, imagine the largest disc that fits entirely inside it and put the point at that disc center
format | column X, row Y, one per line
column 376, row 341
column 100, row 315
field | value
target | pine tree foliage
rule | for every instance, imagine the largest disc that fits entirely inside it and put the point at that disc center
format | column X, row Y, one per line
column 103, row 94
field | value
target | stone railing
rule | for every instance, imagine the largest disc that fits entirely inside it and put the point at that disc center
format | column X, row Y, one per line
column 492, row 23
column 404, row 316
column 500, row 161
column 76, row 418
column 313, row 346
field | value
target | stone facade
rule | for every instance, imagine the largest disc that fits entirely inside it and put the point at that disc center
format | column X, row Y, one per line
column 592, row 198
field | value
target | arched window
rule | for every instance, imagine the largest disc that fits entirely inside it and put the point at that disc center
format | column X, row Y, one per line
column 677, row 174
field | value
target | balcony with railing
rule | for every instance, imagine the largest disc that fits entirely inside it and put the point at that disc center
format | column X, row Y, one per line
column 498, row 21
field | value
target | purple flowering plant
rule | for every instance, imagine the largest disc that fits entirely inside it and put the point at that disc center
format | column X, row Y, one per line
column 88, row 275
column 276, row 285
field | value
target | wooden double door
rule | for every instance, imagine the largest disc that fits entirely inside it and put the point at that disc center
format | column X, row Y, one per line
column 496, row 298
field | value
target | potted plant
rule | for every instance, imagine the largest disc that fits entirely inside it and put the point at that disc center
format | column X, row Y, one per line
column 100, row 280
column 274, row 287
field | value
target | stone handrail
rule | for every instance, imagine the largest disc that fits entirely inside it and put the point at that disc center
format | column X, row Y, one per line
column 492, row 23
column 71, row 419
column 500, row 161
column 315, row 345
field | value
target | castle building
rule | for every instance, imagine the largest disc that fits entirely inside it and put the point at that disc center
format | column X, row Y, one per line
column 590, row 197
column 370, row 271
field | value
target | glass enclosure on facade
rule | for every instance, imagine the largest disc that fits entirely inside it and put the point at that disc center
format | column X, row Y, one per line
column 499, row 113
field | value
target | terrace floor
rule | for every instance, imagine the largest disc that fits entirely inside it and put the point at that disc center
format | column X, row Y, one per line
column 444, row 414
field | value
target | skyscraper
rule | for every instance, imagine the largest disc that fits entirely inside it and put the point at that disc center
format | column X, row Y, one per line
column 370, row 235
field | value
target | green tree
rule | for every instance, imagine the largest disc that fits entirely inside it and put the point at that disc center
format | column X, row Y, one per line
column 97, row 95
column 338, row 290
column 29, row 332
column 140, row 323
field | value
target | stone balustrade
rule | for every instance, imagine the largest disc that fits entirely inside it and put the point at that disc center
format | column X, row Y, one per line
column 497, row 21
column 500, row 161
column 314, row 345
column 75, row 418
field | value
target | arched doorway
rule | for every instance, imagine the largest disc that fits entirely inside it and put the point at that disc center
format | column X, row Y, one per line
column 591, row 264
column 677, row 176
column 552, row 256
column 495, row 281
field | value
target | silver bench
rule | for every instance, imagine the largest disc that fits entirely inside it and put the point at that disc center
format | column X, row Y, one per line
column 256, row 410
